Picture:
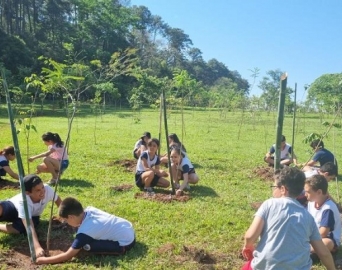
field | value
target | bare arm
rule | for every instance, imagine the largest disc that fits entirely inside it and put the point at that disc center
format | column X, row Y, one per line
column 45, row 154
column 324, row 231
column 38, row 249
column 58, row 201
column 311, row 163
column 185, row 182
column 324, row 254
column 58, row 258
column 10, row 172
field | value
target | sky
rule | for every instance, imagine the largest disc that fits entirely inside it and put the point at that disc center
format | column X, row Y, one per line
column 300, row 37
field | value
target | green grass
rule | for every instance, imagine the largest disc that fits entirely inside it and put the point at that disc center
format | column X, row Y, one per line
column 225, row 150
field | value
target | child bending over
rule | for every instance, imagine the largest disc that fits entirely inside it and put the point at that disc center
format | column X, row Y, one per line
column 98, row 232
column 6, row 155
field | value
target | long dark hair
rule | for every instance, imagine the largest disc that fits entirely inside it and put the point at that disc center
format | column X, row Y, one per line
column 49, row 136
column 174, row 137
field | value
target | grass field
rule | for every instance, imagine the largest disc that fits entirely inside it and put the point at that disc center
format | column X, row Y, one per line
column 225, row 149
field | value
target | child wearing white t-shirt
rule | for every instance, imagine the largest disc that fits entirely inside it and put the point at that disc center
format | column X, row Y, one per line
column 98, row 232
column 38, row 196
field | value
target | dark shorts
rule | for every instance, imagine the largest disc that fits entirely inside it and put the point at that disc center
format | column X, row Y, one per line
column 65, row 165
column 10, row 214
column 140, row 184
column 109, row 247
column 192, row 170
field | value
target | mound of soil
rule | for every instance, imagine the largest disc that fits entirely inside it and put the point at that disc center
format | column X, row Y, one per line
column 6, row 184
column 123, row 187
column 19, row 256
column 127, row 164
column 160, row 197
column 266, row 173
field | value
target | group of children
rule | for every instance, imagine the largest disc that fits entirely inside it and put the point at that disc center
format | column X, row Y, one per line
column 301, row 221
column 98, row 232
column 148, row 173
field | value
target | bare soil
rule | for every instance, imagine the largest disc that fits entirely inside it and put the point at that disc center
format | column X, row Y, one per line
column 265, row 173
column 7, row 184
column 127, row 164
column 161, row 197
column 19, row 256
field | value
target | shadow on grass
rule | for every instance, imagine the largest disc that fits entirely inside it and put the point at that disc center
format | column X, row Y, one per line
column 195, row 191
column 196, row 165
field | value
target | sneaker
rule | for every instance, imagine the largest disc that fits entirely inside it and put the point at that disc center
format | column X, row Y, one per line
column 149, row 191
column 52, row 182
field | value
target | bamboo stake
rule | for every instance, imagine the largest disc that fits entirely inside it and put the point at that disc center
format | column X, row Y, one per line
column 160, row 121
column 20, row 167
column 281, row 105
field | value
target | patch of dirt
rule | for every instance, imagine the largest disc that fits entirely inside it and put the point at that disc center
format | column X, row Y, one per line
column 123, row 187
column 19, row 256
column 6, row 184
column 266, row 173
column 167, row 248
column 127, row 164
column 160, row 197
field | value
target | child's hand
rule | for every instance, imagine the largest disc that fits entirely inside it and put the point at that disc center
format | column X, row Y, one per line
column 247, row 253
column 30, row 159
column 40, row 252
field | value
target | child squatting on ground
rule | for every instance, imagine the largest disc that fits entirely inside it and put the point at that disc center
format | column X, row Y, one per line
column 53, row 157
column 147, row 173
column 12, row 210
column 324, row 211
column 98, row 232
column 286, row 229
column 6, row 155
column 286, row 154
column 182, row 169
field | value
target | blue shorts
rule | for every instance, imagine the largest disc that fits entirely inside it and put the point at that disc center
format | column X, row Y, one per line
column 140, row 184
column 65, row 165
column 10, row 214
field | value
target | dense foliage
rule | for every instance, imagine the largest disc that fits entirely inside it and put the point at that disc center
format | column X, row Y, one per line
column 86, row 48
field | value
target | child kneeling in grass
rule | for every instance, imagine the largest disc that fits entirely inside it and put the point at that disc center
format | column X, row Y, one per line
column 98, row 232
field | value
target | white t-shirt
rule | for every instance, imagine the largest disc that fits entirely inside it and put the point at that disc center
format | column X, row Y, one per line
column 150, row 162
column 34, row 209
column 101, row 225
column 327, row 216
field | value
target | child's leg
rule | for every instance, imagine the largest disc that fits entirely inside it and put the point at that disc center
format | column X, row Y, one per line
column 193, row 178
column 52, row 166
column 107, row 247
column 147, row 178
column 285, row 161
column 329, row 243
column 162, row 182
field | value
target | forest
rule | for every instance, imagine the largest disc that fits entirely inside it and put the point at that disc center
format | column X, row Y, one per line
column 109, row 50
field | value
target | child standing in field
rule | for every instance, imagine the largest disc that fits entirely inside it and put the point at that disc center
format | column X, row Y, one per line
column 324, row 211
column 148, row 173
column 98, row 232
column 182, row 169
column 12, row 210
column 56, row 155
column 141, row 145
column 6, row 155
column 286, row 229
column 174, row 142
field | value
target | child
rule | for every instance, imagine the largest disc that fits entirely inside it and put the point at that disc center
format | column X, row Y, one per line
column 140, row 145
column 7, row 154
column 324, row 211
column 321, row 155
column 286, row 155
column 286, row 229
column 328, row 170
column 182, row 169
column 148, row 173
column 53, row 157
column 173, row 142
column 12, row 210
column 98, row 232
